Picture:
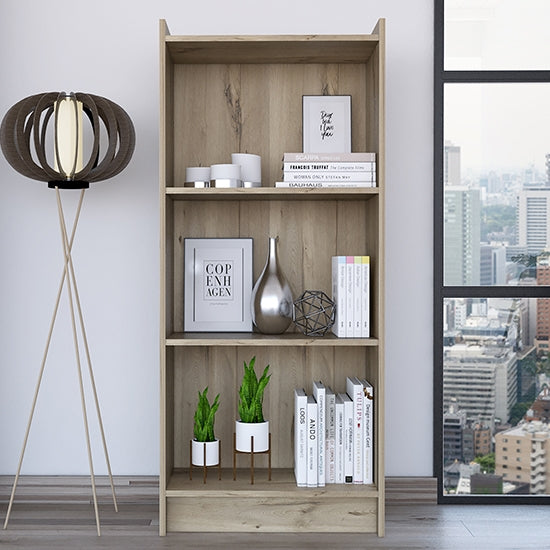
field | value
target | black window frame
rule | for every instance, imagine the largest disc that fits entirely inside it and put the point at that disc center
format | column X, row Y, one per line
column 442, row 292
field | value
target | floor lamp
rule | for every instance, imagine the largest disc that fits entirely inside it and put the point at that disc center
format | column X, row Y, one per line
column 25, row 137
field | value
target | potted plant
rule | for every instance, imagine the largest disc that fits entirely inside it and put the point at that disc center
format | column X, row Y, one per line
column 251, row 421
column 204, row 443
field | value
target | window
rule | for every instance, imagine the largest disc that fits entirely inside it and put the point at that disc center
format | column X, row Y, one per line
column 491, row 249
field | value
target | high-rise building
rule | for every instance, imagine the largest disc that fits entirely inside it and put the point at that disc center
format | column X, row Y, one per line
column 482, row 380
column 533, row 219
column 462, row 230
column 452, row 174
column 542, row 337
column 492, row 265
column 454, row 423
column 522, row 454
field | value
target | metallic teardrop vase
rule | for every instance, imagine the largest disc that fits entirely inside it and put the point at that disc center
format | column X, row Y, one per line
column 271, row 297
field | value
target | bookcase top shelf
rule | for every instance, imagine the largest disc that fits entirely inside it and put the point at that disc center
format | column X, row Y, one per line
column 272, row 48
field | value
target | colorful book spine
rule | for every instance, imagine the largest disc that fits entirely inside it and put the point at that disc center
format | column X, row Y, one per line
column 330, row 437
column 329, row 166
column 322, row 184
column 300, row 437
column 342, row 177
column 357, row 295
column 350, row 306
column 312, row 445
column 348, row 437
column 319, row 393
column 339, row 294
column 365, row 297
column 368, row 425
column 339, row 439
column 330, row 157
column 354, row 389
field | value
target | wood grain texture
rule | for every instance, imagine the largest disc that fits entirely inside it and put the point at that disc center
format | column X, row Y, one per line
column 222, row 95
column 55, row 513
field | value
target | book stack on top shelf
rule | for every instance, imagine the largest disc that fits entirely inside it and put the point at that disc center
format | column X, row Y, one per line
column 328, row 170
column 333, row 435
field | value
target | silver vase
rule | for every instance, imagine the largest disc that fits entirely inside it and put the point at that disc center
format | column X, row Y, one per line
column 271, row 296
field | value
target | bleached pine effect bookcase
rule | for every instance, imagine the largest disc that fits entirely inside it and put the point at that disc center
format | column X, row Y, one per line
column 225, row 94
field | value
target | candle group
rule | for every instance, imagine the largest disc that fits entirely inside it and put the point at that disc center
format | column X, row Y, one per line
column 245, row 170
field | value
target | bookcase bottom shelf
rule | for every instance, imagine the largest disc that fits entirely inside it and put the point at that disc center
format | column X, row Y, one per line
column 269, row 506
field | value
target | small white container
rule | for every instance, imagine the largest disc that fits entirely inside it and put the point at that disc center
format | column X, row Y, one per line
column 197, row 176
column 251, row 168
column 245, row 430
column 225, row 175
column 212, row 452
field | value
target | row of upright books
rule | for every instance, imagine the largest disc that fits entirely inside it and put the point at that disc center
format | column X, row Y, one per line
column 351, row 295
column 333, row 435
column 328, row 170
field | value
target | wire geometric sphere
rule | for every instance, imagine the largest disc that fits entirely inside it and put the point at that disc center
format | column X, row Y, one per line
column 314, row 313
column 23, row 134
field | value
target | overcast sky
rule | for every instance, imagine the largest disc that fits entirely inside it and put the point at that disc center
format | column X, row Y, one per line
column 498, row 126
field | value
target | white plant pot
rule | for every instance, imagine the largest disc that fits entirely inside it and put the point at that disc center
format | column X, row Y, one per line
column 245, row 430
column 212, row 452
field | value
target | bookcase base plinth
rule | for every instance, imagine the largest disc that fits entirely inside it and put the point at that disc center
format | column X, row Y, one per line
column 297, row 513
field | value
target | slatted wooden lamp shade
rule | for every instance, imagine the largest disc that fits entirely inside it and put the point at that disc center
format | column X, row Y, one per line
column 24, row 133
column 42, row 138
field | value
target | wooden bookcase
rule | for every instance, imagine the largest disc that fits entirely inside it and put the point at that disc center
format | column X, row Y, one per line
column 226, row 94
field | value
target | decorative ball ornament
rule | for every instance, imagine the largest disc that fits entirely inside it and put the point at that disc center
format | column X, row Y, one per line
column 26, row 136
column 314, row 313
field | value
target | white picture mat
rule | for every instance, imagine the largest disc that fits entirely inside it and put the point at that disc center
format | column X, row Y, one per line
column 326, row 124
column 218, row 285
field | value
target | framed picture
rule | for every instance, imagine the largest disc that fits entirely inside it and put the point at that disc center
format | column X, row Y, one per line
column 218, row 285
column 326, row 123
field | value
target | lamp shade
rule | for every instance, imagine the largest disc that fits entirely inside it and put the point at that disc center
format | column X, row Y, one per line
column 24, row 139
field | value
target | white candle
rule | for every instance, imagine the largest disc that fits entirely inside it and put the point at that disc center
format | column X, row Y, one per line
column 225, row 175
column 68, row 137
column 197, row 173
column 251, row 168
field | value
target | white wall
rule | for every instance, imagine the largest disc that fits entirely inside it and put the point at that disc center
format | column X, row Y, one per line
column 110, row 48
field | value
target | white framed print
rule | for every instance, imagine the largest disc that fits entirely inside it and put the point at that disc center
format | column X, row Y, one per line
column 326, row 123
column 218, row 285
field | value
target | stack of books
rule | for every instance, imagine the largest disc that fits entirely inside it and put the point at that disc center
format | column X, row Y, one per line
column 328, row 170
column 351, row 295
column 333, row 435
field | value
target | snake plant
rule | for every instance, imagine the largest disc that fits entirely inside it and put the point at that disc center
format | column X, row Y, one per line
column 251, row 393
column 204, row 417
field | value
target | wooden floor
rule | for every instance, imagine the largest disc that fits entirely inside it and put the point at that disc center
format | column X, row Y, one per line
column 52, row 512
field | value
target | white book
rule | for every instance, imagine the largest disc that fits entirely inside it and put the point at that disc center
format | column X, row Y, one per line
column 329, row 166
column 350, row 261
column 330, row 157
column 339, row 439
column 365, row 296
column 368, row 436
column 339, row 294
column 325, row 184
column 319, row 393
column 354, row 389
column 341, row 177
column 300, row 437
column 312, row 451
column 330, row 437
column 357, row 295
column 348, row 437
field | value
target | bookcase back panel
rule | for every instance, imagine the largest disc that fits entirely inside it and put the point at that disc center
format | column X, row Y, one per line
column 221, row 368
column 310, row 233
column 228, row 108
